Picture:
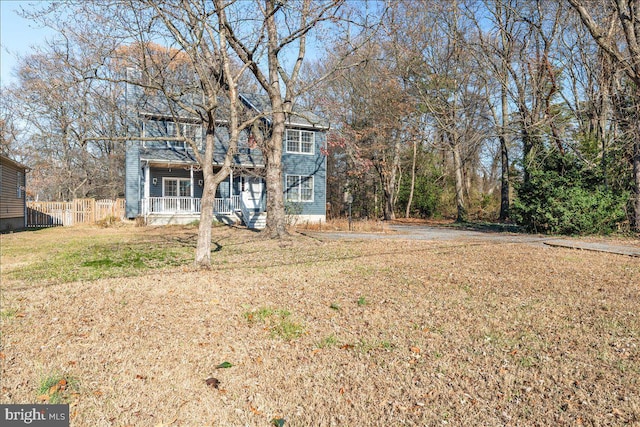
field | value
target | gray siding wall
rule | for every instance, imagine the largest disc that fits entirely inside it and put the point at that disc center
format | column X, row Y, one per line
column 174, row 172
column 309, row 165
column 132, row 174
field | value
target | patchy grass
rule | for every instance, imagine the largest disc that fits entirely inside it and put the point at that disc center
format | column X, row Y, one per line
column 427, row 333
column 8, row 313
column 57, row 388
column 327, row 342
column 278, row 322
column 106, row 254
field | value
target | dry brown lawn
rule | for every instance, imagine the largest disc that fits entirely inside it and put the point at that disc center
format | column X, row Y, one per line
column 322, row 332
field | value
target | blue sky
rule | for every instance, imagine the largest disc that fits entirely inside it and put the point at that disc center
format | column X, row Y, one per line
column 17, row 36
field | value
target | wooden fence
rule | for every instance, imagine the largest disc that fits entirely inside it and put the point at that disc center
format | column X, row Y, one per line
column 79, row 211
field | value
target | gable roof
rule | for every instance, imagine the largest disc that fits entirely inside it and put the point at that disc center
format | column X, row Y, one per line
column 157, row 106
column 299, row 117
column 7, row 160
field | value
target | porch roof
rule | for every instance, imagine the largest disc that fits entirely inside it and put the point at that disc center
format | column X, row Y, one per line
column 245, row 158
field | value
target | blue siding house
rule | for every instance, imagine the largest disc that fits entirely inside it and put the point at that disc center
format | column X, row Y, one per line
column 164, row 181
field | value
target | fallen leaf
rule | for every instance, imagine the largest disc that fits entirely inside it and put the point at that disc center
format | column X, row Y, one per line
column 617, row 412
column 224, row 365
column 213, row 382
column 53, row 389
column 415, row 350
column 20, row 315
column 43, row 397
column 140, row 377
column 254, row 410
column 347, row 346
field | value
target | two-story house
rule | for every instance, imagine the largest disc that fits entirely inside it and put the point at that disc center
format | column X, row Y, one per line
column 164, row 182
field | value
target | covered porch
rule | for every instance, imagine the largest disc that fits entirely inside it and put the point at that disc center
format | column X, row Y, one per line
column 183, row 210
column 172, row 194
column 184, row 205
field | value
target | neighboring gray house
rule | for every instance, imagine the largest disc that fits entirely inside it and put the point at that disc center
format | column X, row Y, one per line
column 164, row 182
column 13, row 205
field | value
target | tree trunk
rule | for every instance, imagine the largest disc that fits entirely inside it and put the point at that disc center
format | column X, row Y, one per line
column 504, row 180
column 504, row 148
column 457, row 165
column 276, row 219
column 211, row 182
column 413, row 179
column 505, row 51
column 203, row 247
column 636, row 185
column 389, row 182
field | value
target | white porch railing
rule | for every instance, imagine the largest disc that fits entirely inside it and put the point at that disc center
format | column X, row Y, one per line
column 226, row 205
column 173, row 205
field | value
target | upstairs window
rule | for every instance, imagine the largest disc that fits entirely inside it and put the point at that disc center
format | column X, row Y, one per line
column 300, row 141
column 187, row 130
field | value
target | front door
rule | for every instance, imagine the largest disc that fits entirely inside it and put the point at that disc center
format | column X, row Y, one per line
column 176, row 194
column 252, row 192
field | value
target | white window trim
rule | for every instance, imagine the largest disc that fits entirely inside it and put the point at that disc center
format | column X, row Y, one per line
column 300, row 132
column 169, row 178
column 299, row 188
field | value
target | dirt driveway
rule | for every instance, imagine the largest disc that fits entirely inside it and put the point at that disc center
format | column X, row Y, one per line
column 629, row 247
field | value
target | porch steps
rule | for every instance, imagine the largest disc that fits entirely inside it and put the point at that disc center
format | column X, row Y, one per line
column 256, row 221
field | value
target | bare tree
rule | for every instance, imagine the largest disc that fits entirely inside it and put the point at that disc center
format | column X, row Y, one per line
column 496, row 48
column 445, row 86
column 62, row 114
column 272, row 39
column 192, row 72
column 372, row 115
column 625, row 53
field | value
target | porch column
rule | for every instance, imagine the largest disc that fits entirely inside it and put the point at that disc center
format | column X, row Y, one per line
column 191, row 184
column 231, row 205
column 191, row 189
column 147, row 181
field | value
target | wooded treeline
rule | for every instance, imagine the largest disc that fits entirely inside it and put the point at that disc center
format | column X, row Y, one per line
column 518, row 110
